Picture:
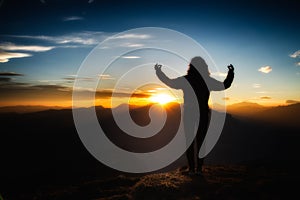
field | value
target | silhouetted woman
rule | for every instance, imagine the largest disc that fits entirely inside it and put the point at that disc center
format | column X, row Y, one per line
column 199, row 79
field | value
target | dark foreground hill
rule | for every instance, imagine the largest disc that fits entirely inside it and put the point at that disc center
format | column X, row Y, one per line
column 218, row 182
column 42, row 157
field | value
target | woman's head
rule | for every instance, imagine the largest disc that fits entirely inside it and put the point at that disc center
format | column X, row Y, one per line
column 198, row 65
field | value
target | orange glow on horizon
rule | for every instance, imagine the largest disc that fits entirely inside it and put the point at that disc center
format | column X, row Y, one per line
column 162, row 99
column 64, row 104
column 149, row 94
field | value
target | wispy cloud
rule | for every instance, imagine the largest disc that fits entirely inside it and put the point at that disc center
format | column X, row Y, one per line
column 262, row 92
column 8, row 46
column 106, row 77
column 51, row 81
column 85, row 38
column 131, row 57
column 5, row 56
column 131, row 45
column 265, row 69
column 73, row 18
column 74, row 77
column 113, row 44
column 133, row 36
column 109, row 93
column 48, row 87
column 295, row 54
column 13, row 47
column 219, row 74
column 256, row 85
column 291, row 101
column 265, row 97
column 4, row 79
column 10, row 91
column 126, row 40
column 10, row 74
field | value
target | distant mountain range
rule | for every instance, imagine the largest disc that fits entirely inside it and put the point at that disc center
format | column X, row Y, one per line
column 245, row 108
column 29, row 109
column 286, row 115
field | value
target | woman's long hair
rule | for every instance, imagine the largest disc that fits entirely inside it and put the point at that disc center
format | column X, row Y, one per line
column 198, row 65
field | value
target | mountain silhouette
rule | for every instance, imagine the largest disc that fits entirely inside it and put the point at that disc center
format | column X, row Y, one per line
column 286, row 115
column 281, row 115
column 28, row 109
column 245, row 108
column 43, row 148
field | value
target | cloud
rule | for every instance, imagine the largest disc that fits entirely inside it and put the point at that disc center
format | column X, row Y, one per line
column 5, row 56
column 219, row 74
column 72, row 78
column 265, row 97
column 106, row 77
column 78, row 78
column 48, row 87
column 22, row 92
column 12, row 47
column 5, row 79
column 256, row 85
column 49, row 81
column 128, row 44
column 292, row 101
column 9, row 84
column 131, row 57
column 73, row 18
column 79, row 40
column 13, row 91
column 265, row 69
column 262, row 92
column 298, row 63
column 109, row 93
column 295, row 54
column 226, row 98
column 132, row 45
column 113, row 43
column 10, row 74
column 132, row 36
column 85, row 38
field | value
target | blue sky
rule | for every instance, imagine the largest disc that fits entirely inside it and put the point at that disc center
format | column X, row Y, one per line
column 45, row 42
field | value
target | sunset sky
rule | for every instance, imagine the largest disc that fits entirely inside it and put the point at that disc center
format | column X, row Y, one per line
column 43, row 44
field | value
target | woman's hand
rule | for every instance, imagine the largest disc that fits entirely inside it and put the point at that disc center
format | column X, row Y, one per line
column 157, row 67
column 230, row 67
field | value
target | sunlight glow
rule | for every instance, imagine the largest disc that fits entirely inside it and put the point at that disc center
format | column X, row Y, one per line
column 162, row 98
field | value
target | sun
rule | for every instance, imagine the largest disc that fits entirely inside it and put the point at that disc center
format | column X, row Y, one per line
column 161, row 98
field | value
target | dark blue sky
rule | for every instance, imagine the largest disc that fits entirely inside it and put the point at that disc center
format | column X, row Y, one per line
column 249, row 34
column 35, row 17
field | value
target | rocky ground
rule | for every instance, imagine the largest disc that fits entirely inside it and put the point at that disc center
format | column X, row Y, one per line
column 218, row 182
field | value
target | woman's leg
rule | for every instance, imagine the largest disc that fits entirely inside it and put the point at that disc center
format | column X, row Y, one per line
column 189, row 129
column 190, row 157
column 201, row 133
